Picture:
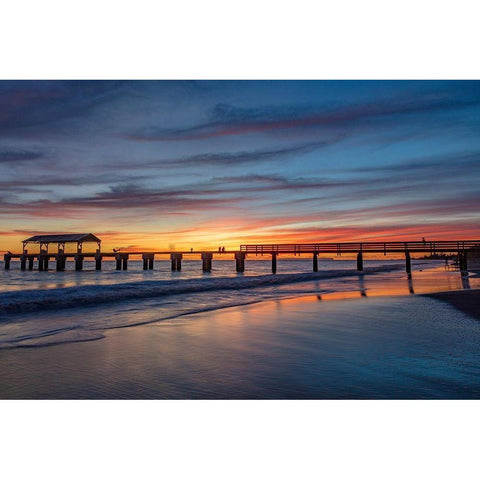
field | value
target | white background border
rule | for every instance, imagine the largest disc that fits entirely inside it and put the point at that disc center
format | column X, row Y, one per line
column 239, row 40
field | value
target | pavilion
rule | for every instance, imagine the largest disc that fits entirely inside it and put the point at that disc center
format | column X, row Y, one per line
column 61, row 240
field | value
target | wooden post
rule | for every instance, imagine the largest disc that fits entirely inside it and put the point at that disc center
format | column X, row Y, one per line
column 150, row 262
column 176, row 261
column 463, row 262
column 43, row 261
column 408, row 262
column 274, row 262
column 360, row 262
column 60, row 262
column 125, row 261
column 207, row 261
column 240, row 261
column 78, row 262
column 145, row 262
column 23, row 262
column 30, row 262
column 98, row 261
column 118, row 262
column 315, row 262
column 6, row 258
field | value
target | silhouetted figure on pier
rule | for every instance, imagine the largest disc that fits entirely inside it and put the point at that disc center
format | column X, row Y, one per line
column 223, row 249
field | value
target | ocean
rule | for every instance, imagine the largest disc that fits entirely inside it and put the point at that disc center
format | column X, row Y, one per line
column 53, row 323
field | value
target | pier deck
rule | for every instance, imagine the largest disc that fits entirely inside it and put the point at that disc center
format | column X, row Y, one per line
column 459, row 248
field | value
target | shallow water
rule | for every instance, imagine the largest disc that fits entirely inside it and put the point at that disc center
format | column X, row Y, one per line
column 103, row 307
column 302, row 347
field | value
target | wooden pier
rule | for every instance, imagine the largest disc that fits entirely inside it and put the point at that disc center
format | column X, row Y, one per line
column 459, row 248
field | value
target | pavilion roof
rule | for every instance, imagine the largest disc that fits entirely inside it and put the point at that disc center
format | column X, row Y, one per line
column 63, row 238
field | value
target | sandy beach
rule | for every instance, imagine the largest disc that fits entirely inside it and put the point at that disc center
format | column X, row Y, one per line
column 417, row 346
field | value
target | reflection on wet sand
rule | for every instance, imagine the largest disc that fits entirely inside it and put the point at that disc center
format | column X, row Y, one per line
column 410, row 284
column 403, row 284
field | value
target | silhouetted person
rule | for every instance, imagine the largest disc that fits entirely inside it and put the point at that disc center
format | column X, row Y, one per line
column 219, row 249
column 191, row 250
column 223, row 249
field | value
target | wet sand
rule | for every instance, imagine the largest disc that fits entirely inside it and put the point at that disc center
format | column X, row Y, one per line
column 418, row 346
column 468, row 301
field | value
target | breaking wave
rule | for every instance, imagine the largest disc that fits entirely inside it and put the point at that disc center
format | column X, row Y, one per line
column 79, row 296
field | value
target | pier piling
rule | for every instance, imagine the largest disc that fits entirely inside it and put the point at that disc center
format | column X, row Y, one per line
column 78, row 262
column 240, row 261
column 274, row 262
column 61, row 260
column 207, row 261
column 98, row 262
column 6, row 259
column 23, row 262
column 125, row 262
column 148, row 261
column 176, row 259
column 315, row 262
column 462, row 261
column 360, row 261
column 408, row 262
column 30, row 262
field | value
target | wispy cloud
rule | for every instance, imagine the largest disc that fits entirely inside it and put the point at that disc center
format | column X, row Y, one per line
column 25, row 104
column 230, row 120
column 19, row 155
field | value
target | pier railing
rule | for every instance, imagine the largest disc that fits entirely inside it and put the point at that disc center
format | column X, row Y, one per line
column 434, row 247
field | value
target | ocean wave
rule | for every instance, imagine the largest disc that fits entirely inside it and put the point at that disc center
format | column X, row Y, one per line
column 87, row 295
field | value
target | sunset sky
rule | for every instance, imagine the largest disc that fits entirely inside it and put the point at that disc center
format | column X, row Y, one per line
column 181, row 164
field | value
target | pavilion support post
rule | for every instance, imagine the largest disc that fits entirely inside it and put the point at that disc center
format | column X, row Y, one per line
column 60, row 262
column 150, row 262
column 78, row 262
column 145, row 262
column 274, row 262
column 6, row 259
column 43, row 262
column 30, row 262
column 118, row 262
column 360, row 261
column 408, row 263
column 240, row 261
column 125, row 262
column 207, row 261
column 315, row 262
column 98, row 261
column 23, row 262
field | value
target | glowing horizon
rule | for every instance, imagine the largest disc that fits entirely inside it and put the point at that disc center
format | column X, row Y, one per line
column 180, row 165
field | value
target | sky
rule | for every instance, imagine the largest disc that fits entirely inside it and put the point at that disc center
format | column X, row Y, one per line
column 157, row 165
